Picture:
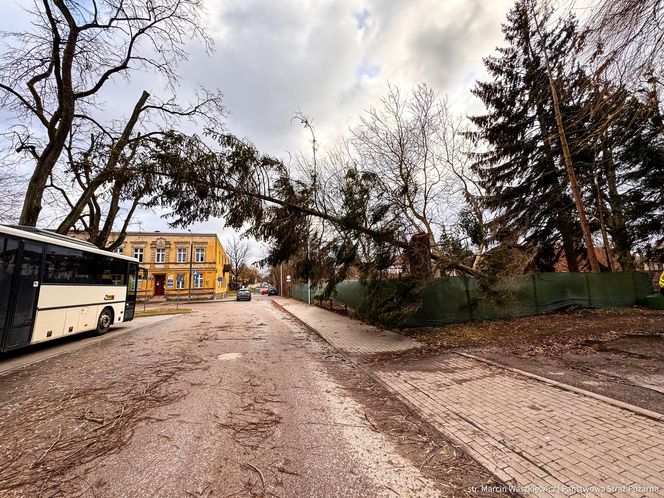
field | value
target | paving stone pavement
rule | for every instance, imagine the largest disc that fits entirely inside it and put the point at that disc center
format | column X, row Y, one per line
column 348, row 335
column 542, row 439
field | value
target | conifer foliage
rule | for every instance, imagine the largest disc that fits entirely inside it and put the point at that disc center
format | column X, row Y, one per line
column 615, row 145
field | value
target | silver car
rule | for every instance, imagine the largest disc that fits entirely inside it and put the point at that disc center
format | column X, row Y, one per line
column 243, row 295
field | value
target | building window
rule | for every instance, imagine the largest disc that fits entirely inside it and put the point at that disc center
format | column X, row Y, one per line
column 139, row 282
column 179, row 281
column 119, row 250
column 160, row 256
column 138, row 254
column 182, row 255
column 198, row 281
column 200, row 255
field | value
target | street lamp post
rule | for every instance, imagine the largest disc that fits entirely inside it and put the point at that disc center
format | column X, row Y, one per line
column 191, row 262
column 308, row 278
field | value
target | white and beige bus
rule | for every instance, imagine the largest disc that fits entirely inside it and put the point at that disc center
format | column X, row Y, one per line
column 54, row 286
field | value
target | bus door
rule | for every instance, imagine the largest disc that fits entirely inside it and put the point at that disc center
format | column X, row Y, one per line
column 132, row 288
column 21, row 263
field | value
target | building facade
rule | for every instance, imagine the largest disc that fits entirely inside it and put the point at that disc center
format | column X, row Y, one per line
column 179, row 264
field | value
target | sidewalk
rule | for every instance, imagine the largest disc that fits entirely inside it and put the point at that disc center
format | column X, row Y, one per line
column 540, row 438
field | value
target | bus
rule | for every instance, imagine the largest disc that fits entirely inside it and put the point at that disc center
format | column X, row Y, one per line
column 54, row 286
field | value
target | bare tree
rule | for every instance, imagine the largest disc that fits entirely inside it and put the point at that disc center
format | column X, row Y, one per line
column 238, row 250
column 248, row 275
column 628, row 39
column 398, row 142
column 108, row 163
column 420, row 157
column 51, row 77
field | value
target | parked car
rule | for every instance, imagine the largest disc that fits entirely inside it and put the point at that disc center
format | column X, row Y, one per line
column 243, row 295
column 264, row 291
column 272, row 292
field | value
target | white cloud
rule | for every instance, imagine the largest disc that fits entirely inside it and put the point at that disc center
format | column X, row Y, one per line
column 333, row 58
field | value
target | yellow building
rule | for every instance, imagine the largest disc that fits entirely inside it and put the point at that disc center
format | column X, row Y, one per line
column 179, row 263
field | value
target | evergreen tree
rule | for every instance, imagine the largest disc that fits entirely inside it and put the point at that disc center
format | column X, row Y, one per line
column 623, row 147
column 522, row 170
column 641, row 157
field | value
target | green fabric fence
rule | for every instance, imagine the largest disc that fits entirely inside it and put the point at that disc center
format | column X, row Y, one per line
column 299, row 292
column 460, row 299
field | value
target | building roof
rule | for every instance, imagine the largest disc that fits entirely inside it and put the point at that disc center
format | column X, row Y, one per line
column 560, row 264
column 170, row 234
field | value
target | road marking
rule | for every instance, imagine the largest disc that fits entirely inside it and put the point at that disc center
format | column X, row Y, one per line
column 229, row 356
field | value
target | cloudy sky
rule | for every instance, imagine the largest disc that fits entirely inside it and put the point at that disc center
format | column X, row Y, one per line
column 328, row 58
column 333, row 58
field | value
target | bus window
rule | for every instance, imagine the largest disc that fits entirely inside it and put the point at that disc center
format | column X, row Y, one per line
column 63, row 265
column 71, row 266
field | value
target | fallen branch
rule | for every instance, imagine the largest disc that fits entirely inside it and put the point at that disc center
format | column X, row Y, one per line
column 49, row 449
column 371, row 423
column 286, row 471
column 259, row 473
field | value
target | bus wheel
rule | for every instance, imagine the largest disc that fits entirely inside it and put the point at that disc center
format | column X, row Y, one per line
column 105, row 321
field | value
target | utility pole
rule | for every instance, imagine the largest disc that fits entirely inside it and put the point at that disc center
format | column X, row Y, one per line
column 308, row 278
column 281, row 280
column 191, row 262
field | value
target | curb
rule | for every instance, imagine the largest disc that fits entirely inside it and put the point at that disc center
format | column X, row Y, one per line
column 451, row 438
column 566, row 387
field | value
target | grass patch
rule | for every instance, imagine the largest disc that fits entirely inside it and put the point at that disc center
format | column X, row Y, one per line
column 162, row 311
column 541, row 333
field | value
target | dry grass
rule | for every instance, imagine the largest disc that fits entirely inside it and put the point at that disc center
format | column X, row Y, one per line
column 543, row 333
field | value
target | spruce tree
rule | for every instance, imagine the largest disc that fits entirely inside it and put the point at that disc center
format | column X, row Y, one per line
column 641, row 158
column 522, row 171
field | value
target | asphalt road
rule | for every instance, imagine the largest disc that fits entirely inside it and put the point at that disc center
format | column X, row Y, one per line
column 39, row 352
column 235, row 399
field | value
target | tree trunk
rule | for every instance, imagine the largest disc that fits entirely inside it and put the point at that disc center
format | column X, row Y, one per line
column 566, row 232
column 547, row 130
column 569, row 166
column 618, row 229
column 32, row 204
column 419, row 256
column 111, row 163
column 111, row 214
column 34, row 194
column 601, row 208
column 571, row 174
column 58, row 130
